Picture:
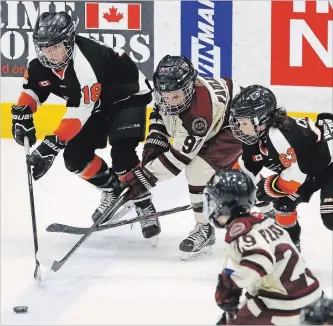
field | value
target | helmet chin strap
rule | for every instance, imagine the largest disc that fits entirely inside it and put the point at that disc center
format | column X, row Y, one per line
column 262, row 131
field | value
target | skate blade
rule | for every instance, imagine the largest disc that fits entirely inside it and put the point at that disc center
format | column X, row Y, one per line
column 154, row 241
column 186, row 256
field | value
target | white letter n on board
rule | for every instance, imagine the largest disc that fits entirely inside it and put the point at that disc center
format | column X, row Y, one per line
column 299, row 29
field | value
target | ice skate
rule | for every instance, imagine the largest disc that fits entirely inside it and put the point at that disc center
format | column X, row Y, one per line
column 150, row 227
column 199, row 242
column 110, row 192
column 107, row 199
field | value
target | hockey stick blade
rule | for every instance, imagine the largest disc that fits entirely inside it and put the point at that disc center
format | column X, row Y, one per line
column 38, row 273
column 62, row 228
column 113, row 208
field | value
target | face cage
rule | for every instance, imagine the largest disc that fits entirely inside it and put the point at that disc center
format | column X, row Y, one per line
column 212, row 208
column 69, row 47
column 244, row 138
column 167, row 109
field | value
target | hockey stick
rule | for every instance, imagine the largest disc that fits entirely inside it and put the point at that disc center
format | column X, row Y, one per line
column 117, row 204
column 37, row 272
column 62, row 228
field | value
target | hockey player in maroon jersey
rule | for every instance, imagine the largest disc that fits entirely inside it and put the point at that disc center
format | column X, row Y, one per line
column 260, row 258
column 194, row 112
column 296, row 150
column 106, row 97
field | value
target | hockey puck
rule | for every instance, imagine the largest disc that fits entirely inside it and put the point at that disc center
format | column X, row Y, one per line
column 20, row 309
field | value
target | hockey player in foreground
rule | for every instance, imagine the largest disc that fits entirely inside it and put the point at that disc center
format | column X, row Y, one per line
column 106, row 96
column 260, row 258
column 194, row 112
column 296, row 150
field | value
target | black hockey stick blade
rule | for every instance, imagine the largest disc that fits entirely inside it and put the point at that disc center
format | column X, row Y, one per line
column 62, row 228
column 38, row 273
column 116, row 205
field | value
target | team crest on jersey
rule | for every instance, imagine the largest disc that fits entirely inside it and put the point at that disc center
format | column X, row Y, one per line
column 236, row 229
column 199, row 126
column 44, row 83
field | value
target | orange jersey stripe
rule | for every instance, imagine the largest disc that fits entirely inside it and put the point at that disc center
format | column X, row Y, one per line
column 26, row 99
column 236, row 166
column 93, row 167
column 67, row 129
column 286, row 219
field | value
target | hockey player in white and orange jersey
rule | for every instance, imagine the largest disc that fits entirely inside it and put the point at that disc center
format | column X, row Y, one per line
column 260, row 258
column 192, row 111
column 106, row 101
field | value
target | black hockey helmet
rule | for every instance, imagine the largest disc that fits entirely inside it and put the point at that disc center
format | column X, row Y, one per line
column 229, row 194
column 318, row 313
column 257, row 103
column 54, row 37
column 173, row 84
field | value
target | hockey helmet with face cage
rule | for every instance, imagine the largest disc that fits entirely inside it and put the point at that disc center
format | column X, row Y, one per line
column 256, row 103
column 54, row 38
column 174, row 84
column 228, row 195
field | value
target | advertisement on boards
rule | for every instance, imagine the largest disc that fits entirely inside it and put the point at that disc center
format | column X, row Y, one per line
column 127, row 26
column 206, row 36
column 302, row 43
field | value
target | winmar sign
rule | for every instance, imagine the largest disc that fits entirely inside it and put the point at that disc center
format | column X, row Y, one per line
column 206, row 36
column 18, row 19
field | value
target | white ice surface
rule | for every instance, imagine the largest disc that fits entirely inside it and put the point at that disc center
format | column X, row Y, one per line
column 116, row 277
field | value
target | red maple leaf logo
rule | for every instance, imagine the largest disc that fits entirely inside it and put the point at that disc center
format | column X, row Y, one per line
column 113, row 16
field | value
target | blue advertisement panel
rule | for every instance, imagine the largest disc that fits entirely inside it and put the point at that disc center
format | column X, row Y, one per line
column 206, row 36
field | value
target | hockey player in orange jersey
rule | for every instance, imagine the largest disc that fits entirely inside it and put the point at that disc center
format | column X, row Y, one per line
column 295, row 150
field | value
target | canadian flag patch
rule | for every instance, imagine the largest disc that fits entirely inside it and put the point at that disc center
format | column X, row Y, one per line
column 257, row 158
column 44, row 83
column 118, row 16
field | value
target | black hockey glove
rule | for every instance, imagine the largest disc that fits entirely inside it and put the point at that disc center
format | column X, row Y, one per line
column 156, row 144
column 139, row 180
column 41, row 159
column 325, row 124
column 23, row 124
column 227, row 294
